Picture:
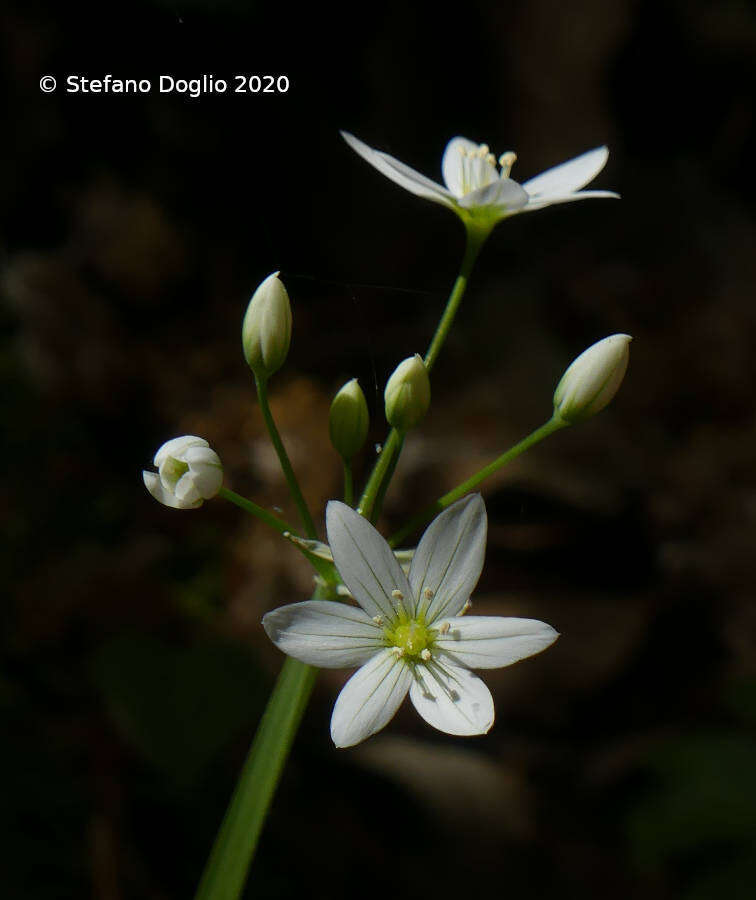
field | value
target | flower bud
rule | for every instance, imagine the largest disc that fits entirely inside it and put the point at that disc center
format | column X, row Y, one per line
column 188, row 473
column 407, row 394
column 266, row 330
column 348, row 421
column 592, row 379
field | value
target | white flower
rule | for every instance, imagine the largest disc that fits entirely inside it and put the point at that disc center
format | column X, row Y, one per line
column 188, row 473
column 475, row 187
column 592, row 379
column 409, row 633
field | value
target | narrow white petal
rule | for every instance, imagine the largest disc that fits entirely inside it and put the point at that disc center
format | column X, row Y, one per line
column 449, row 558
column 488, row 642
column 399, row 172
column 186, row 490
column 176, row 446
column 452, row 699
column 569, row 176
column 551, row 199
column 323, row 633
column 206, row 469
column 369, row 699
column 366, row 563
column 503, row 192
column 452, row 163
column 153, row 485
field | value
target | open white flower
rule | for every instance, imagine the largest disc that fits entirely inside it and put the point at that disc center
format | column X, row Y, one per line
column 476, row 188
column 188, row 473
column 409, row 633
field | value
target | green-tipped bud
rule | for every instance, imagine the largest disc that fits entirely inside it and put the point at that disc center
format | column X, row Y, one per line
column 592, row 379
column 348, row 421
column 266, row 330
column 407, row 394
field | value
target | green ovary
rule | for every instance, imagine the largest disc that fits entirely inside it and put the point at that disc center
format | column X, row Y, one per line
column 412, row 638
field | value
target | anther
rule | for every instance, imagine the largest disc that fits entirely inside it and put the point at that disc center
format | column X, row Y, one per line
column 397, row 594
column 465, row 608
column 506, row 161
column 425, row 655
column 428, row 594
column 397, row 651
column 444, row 629
column 462, row 152
column 483, row 151
column 491, row 159
column 378, row 620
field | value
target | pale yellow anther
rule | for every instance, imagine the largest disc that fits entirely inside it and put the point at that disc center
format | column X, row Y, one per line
column 483, row 151
column 378, row 620
column 397, row 651
column 397, row 595
column 444, row 629
column 491, row 159
column 428, row 594
column 425, row 655
column 462, row 152
column 465, row 608
column 506, row 161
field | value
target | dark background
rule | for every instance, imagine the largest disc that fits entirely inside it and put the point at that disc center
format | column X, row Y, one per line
column 134, row 229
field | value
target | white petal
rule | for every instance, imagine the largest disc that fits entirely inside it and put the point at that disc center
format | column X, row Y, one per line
column 569, row 176
column 153, row 485
column 549, row 200
column 206, row 469
column 323, row 633
column 398, row 172
column 366, row 563
column 449, row 558
column 186, row 490
column 176, row 446
column 452, row 163
column 369, row 699
column 452, row 699
column 503, row 192
column 488, row 642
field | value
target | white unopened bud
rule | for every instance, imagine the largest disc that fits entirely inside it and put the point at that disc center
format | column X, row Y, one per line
column 266, row 330
column 407, row 394
column 188, row 473
column 348, row 420
column 592, row 379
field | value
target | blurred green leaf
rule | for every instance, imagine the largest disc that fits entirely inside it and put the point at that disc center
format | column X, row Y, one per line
column 178, row 706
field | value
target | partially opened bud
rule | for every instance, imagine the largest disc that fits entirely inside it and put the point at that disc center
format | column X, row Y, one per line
column 348, row 421
column 266, row 330
column 407, row 394
column 592, row 379
column 188, row 473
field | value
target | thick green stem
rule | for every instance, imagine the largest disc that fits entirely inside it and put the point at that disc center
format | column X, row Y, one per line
column 234, row 848
column 291, row 478
column 386, row 463
column 255, row 510
column 348, row 483
column 554, row 424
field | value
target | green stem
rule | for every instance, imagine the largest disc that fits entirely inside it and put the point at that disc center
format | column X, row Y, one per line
column 554, row 424
column 386, row 463
column 255, row 510
column 348, row 483
column 291, row 478
column 380, row 469
column 234, row 847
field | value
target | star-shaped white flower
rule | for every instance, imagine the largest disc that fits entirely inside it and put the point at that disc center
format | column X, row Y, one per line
column 409, row 633
column 476, row 188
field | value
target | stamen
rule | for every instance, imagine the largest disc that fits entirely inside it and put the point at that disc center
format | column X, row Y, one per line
column 425, row 655
column 378, row 620
column 397, row 595
column 462, row 152
column 444, row 629
column 506, row 161
column 398, row 651
column 483, row 151
column 428, row 594
column 464, row 609
column 491, row 159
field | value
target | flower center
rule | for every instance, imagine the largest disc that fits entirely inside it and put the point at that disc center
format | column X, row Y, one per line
column 172, row 469
column 479, row 167
column 410, row 639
